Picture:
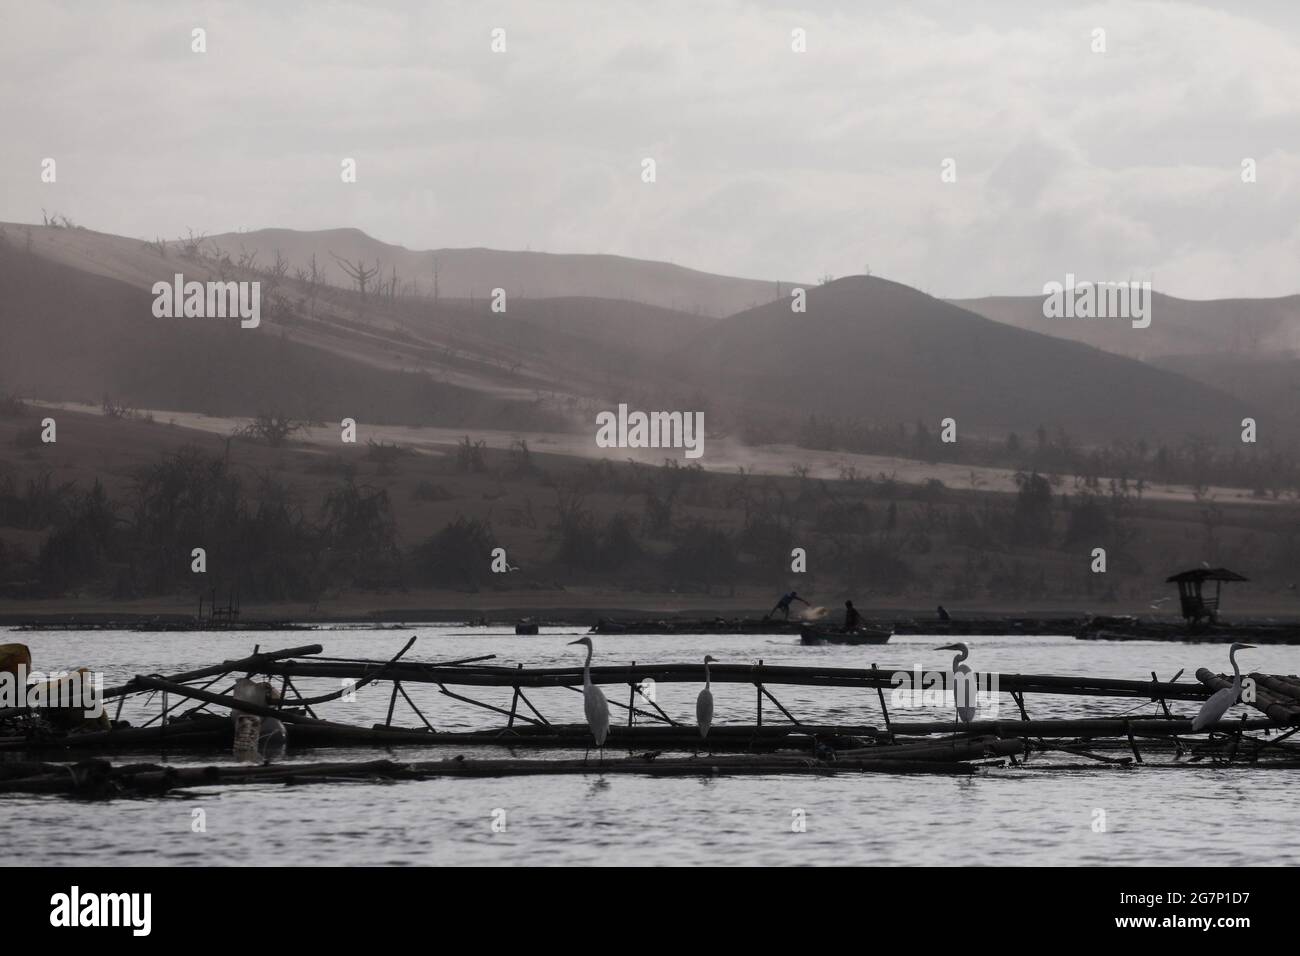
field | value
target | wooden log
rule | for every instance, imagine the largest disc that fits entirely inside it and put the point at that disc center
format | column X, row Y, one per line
column 978, row 748
column 1284, row 688
column 373, row 675
column 224, row 700
column 1279, row 707
column 1287, row 684
column 151, row 779
column 195, row 732
column 211, row 731
column 1082, row 727
column 253, row 662
column 498, row 676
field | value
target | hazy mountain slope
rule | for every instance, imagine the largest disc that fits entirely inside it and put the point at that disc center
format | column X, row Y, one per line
column 466, row 273
column 69, row 334
column 540, row 351
column 1178, row 326
column 884, row 352
column 75, row 323
column 1268, row 384
column 645, row 329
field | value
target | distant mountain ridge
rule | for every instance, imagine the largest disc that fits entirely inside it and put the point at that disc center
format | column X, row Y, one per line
column 474, row 273
column 867, row 348
column 1178, row 326
column 877, row 350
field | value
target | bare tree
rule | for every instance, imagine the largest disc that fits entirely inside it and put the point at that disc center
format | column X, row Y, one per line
column 192, row 246
column 58, row 221
column 310, row 279
column 358, row 272
column 278, row 269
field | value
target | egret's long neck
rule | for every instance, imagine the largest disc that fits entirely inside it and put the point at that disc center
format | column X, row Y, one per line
column 957, row 659
column 586, row 667
column 707, row 679
column 1236, row 671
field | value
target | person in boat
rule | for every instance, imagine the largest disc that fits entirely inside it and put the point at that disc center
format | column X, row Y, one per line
column 783, row 605
column 852, row 619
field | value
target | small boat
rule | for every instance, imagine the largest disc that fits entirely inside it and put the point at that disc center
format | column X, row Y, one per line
column 526, row 626
column 826, row 634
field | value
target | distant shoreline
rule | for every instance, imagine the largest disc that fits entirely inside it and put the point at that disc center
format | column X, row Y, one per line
column 1057, row 621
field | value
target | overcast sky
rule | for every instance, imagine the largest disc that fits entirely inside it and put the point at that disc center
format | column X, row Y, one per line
column 770, row 163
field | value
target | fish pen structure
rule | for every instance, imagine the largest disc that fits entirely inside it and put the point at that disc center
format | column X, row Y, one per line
column 194, row 717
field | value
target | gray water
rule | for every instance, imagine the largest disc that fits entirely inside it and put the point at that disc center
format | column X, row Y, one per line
column 1016, row 816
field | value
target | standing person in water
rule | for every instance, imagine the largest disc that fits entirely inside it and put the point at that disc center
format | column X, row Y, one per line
column 783, row 605
column 852, row 619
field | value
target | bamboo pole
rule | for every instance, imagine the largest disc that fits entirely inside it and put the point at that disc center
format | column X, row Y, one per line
column 369, row 678
column 880, row 692
column 252, row 663
column 883, row 678
column 514, row 703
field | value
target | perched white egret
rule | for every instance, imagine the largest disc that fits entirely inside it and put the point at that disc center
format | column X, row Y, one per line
column 594, row 703
column 962, row 693
column 1214, row 708
column 704, row 703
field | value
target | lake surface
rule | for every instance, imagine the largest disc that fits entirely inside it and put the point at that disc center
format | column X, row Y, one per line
column 1001, row 816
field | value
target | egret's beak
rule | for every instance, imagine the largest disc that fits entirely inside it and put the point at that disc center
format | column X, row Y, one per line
column 948, row 647
column 1246, row 647
column 578, row 641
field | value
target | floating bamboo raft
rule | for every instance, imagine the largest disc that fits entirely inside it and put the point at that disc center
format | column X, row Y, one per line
column 659, row 746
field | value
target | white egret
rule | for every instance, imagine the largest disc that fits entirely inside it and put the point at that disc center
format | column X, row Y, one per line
column 594, row 703
column 704, row 703
column 1214, row 708
column 962, row 693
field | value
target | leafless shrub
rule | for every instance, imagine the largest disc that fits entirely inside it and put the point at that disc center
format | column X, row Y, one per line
column 192, row 246
column 11, row 406
column 469, row 456
column 271, row 428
